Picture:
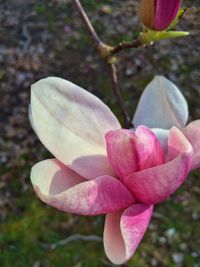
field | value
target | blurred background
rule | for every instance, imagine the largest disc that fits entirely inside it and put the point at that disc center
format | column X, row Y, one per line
column 44, row 38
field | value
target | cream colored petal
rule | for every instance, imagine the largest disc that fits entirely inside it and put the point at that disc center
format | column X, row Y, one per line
column 161, row 106
column 71, row 123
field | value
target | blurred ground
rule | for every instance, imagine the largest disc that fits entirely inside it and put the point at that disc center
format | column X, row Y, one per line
column 43, row 38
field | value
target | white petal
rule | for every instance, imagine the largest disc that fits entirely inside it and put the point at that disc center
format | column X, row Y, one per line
column 161, row 106
column 162, row 136
column 71, row 123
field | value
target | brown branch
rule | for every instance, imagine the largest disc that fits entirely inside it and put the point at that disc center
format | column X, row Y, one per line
column 104, row 49
column 94, row 36
column 117, row 93
column 124, row 45
column 108, row 54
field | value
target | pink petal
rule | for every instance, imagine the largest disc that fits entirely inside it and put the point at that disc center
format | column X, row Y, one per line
column 124, row 230
column 156, row 184
column 166, row 12
column 62, row 188
column 192, row 132
column 130, row 151
column 72, row 123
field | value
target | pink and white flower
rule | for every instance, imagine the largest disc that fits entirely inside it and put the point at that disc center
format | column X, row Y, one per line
column 100, row 168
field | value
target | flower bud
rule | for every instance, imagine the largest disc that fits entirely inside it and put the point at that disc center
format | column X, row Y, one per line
column 157, row 15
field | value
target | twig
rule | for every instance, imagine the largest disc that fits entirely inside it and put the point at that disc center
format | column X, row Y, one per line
column 105, row 50
column 124, row 45
column 95, row 38
column 76, row 237
column 116, row 92
column 108, row 54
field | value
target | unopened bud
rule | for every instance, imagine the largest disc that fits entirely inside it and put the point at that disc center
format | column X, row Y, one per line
column 157, row 15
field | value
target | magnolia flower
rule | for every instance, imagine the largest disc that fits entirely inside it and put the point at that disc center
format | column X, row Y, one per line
column 100, row 168
column 157, row 15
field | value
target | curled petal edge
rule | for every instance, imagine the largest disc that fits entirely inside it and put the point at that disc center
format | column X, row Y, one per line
column 124, row 231
column 61, row 188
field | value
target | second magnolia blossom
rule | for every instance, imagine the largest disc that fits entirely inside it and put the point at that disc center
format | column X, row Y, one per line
column 100, row 168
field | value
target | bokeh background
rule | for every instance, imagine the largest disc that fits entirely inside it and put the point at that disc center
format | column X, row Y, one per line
column 43, row 38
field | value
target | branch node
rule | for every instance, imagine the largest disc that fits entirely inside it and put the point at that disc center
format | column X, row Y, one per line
column 104, row 50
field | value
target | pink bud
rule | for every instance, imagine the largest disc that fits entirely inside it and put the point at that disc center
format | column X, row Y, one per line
column 157, row 15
